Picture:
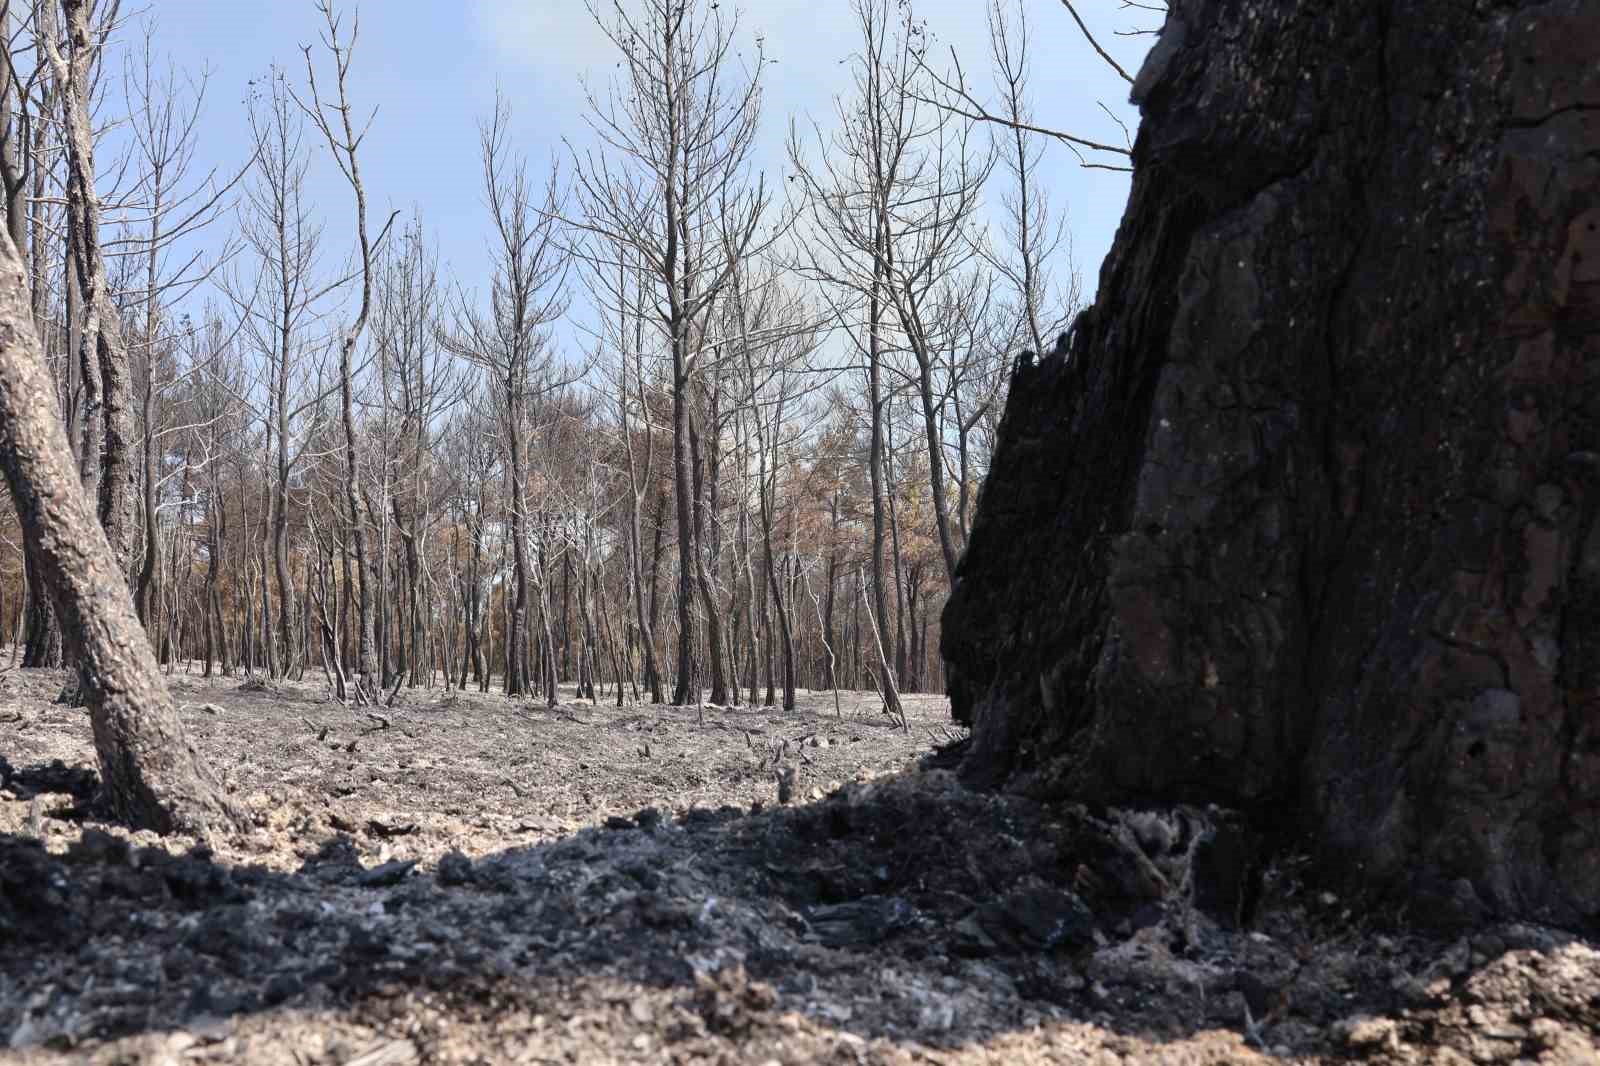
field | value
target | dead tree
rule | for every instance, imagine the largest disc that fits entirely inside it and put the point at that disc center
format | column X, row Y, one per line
column 333, row 119
column 152, row 775
column 511, row 343
column 23, row 134
column 850, row 190
column 102, row 355
column 674, row 190
column 164, row 126
column 1033, row 233
column 630, row 346
column 277, row 308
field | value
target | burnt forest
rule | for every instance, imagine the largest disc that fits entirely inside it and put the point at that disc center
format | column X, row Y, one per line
column 890, row 532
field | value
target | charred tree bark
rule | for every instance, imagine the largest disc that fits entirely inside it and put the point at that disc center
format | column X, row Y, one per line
column 647, row 635
column 701, row 485
column 516, row 683
column 38, row 647
column 216, row 634
column 656, row 547
column 686, row 690
column 344, row 142
column 102, row 352
column 1306, row 516
column 406, row 525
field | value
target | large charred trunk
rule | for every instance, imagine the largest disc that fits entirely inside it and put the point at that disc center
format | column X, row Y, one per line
column 1305, row 516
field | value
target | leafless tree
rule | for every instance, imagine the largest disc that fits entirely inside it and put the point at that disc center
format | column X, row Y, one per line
column 639, row 448
column 1034, row 234
column 851, row 181
column 281, row 303
column 420, row 382
column 152, row 775
column 332, row 117
column 511, row 342
column 102, row 354
column 164, row 115
column 775, row 333
column 672, row 185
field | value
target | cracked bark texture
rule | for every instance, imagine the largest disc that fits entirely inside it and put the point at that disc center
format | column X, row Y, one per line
column 151, row 774
column 1303, row 517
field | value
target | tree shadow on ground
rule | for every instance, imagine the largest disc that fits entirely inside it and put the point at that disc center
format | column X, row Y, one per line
column 908, row 919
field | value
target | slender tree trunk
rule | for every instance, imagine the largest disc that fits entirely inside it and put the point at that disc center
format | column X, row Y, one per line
column 856, row 671
column 895, row 559
column 715, row 646
column 647, row 636
column 875, row 463
column 752, row 651
column 213, row 598
column 591, row 651
column 475, row 612
column 687, row 688
column 656, row 549
column 767, row 641
column 931, row 423
column 147, row 569
column 103, row 355
column 280, row 498
column 547, row 633
column 368, row 678
column 516, row 622
column 830, row 680
column 566, row 614
column 247, row 590
column 152, row 306
column 769, row 489
column 406, row 525
column 739, row 611
column 268, row 640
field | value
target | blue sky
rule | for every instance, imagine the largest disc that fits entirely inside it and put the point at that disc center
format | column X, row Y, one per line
column 431, row 68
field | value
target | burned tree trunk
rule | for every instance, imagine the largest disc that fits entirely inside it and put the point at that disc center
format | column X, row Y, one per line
column 152, row 775
column 41, row 640
column 102, row 351
column 1304, row 517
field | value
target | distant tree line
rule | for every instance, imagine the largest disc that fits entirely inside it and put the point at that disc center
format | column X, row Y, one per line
column 753, row 471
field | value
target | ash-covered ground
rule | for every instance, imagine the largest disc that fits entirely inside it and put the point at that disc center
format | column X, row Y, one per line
column 466, row 879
